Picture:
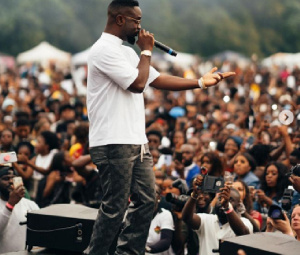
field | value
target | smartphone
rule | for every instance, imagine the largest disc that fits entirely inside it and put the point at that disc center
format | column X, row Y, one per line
column 17, row 181
column 8, row 157
column 178, row 156
column 212, row 146
column 168, row 160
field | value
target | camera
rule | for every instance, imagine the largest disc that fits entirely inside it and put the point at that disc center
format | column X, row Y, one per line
column 178, row 201
column 286, row 201
column 295, row 170
column 276, row 212
column 211, row 184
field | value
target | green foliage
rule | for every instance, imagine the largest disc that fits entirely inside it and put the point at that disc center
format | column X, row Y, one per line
column 203, row 27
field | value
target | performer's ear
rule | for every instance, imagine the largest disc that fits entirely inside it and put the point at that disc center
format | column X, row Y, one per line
column 120, row 20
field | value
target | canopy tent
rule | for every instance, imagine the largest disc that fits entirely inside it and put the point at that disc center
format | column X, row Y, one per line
column 43, row 54
column 282, row 59
column 183, row 60
column 80, row 58
column 164, row 61
column 230, row 56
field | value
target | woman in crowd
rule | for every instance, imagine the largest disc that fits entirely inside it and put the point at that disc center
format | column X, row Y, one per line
column 254, row 216
column 56, row 187
column 231, row 148
column 273, row 184
column 6, row 140
column 25, row 151
column 212, row 162
column 244, row 165
column 46, row 147
column 81, row 133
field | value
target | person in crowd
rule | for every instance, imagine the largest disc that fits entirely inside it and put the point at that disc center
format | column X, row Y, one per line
column 211, row 228
column 213, row 163
column 155, row 156
column 22, row 131
column 178, row 140
column 24, row 150
column 42, row 125
column 46, row 147
column 159, row 178
column 13, row 210
column 261, row 154
column 87, row 192
column 81, row 139
column 167, row 187
column 244, row 165
column 66, row 112
column 246, row 206
column 154, row 139
column 55, row 188
column 187, row 169
column 273, row 184
column 161, row 230
column 195, row 141
column 203, row 205
column 117, row 126
column 231, row 148
column 6, row 140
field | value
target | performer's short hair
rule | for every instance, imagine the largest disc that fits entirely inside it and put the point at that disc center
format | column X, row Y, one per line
column 127, row 3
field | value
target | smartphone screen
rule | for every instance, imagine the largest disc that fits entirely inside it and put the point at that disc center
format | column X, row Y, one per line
column 168, row 160
column 178, row 156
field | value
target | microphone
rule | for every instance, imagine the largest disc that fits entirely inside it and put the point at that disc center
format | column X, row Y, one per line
column 165, row 48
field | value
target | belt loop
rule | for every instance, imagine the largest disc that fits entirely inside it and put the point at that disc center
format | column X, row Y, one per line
column 143, row 151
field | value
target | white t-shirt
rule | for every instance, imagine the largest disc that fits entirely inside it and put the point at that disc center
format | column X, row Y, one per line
column 116, row 115
column 210, row 232
column 162, row 220
column 12, row 235
column 43, row 161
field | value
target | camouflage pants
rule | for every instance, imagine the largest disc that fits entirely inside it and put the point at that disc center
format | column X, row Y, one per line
column 123, row 175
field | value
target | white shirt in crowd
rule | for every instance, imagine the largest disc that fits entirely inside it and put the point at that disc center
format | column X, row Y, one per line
column 12, row 235
column 211, row 231
column 162, row 220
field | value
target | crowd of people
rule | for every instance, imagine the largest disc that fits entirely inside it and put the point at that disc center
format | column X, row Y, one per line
column 228, row 131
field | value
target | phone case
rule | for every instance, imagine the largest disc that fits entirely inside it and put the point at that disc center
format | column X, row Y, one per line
column 17, row 181
column 8, row 157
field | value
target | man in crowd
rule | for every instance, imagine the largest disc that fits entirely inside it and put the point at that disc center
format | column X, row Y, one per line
column 211, row 228
column 13, row 210
column 187, row 168
column 117, row 77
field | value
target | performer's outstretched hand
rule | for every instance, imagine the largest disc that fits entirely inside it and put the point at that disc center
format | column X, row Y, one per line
column 211, row 78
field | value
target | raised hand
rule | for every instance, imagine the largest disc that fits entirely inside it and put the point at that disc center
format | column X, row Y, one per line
column 211, row 78
column 16, row 195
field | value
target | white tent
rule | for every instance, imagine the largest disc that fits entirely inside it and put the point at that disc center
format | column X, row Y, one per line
column 80, row 58
column 282, row 59
column 43, row 54
column 183, row 60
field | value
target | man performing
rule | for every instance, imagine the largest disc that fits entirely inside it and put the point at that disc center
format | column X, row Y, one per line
column 117, row 77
